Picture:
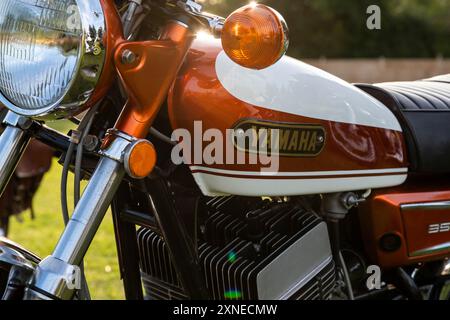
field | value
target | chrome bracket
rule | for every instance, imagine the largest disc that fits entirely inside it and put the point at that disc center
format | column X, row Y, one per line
column 121, row 149
column 190, row 5
column 117, row 150
column 14, row 120
column 215, row 23
column 58, row 279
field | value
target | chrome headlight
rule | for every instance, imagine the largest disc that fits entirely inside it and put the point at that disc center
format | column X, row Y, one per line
column 52, row 53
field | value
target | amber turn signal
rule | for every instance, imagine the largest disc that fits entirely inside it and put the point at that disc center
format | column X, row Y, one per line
column 255, row 36
column 140, row 159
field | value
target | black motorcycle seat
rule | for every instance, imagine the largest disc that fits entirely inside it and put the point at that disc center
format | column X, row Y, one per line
column 423, row 110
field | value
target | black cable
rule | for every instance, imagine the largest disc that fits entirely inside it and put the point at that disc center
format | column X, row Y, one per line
column 79, row 155
column 66, row 166
column 65, row 174
column 337, row 253
column 157, row 134
column 65, row 210
column 405, row 283
column 348, row 281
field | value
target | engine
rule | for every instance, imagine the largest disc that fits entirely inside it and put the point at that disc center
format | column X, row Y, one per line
column 249, row 250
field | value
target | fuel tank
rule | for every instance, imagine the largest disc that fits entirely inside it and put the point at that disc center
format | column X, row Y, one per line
column 330, row 136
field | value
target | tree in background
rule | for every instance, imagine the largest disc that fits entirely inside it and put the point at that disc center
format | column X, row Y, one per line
column 337, row 28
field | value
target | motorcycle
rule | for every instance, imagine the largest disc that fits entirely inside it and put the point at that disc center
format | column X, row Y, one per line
column 232, row 170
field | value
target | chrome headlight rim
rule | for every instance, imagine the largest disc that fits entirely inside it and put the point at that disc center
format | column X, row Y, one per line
column 88, row 70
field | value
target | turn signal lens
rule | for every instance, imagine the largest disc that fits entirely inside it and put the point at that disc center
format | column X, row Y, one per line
column 255, row 36
column 140, row 160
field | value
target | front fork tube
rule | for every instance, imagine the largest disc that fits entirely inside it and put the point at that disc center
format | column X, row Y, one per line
column 13, row 142
column 57, row 276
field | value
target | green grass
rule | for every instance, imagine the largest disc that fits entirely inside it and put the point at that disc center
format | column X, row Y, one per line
column 41, row 235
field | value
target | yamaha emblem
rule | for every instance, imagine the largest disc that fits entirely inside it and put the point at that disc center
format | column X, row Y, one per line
column 284, row 139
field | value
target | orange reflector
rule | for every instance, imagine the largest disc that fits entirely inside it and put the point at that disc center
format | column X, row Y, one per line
column 140, row 160
column 255, row 36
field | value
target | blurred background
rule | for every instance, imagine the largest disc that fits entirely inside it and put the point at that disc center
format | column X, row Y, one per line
column 413, row 43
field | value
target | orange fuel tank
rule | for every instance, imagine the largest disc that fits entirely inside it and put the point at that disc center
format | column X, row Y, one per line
column 330, row 136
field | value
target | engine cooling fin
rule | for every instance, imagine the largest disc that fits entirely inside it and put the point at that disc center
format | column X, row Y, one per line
column 274, row 251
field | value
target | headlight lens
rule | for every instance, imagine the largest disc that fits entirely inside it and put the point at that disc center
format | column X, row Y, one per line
column 55, row 55
column 40, row 43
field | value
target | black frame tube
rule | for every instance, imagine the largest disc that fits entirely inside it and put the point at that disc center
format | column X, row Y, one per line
column 181, row 247
column 127, row 247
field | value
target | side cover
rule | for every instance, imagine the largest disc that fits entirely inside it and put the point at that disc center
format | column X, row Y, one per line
column 407, row 224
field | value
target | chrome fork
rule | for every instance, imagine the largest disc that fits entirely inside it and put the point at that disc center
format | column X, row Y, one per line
column 13, row 142
column 55, row 276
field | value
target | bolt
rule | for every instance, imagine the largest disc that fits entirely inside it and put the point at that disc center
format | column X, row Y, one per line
column 25, row 123
column 97, row 49
column 90, row 143
column 320, row 139
column 352, row 200
column 128, row 57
